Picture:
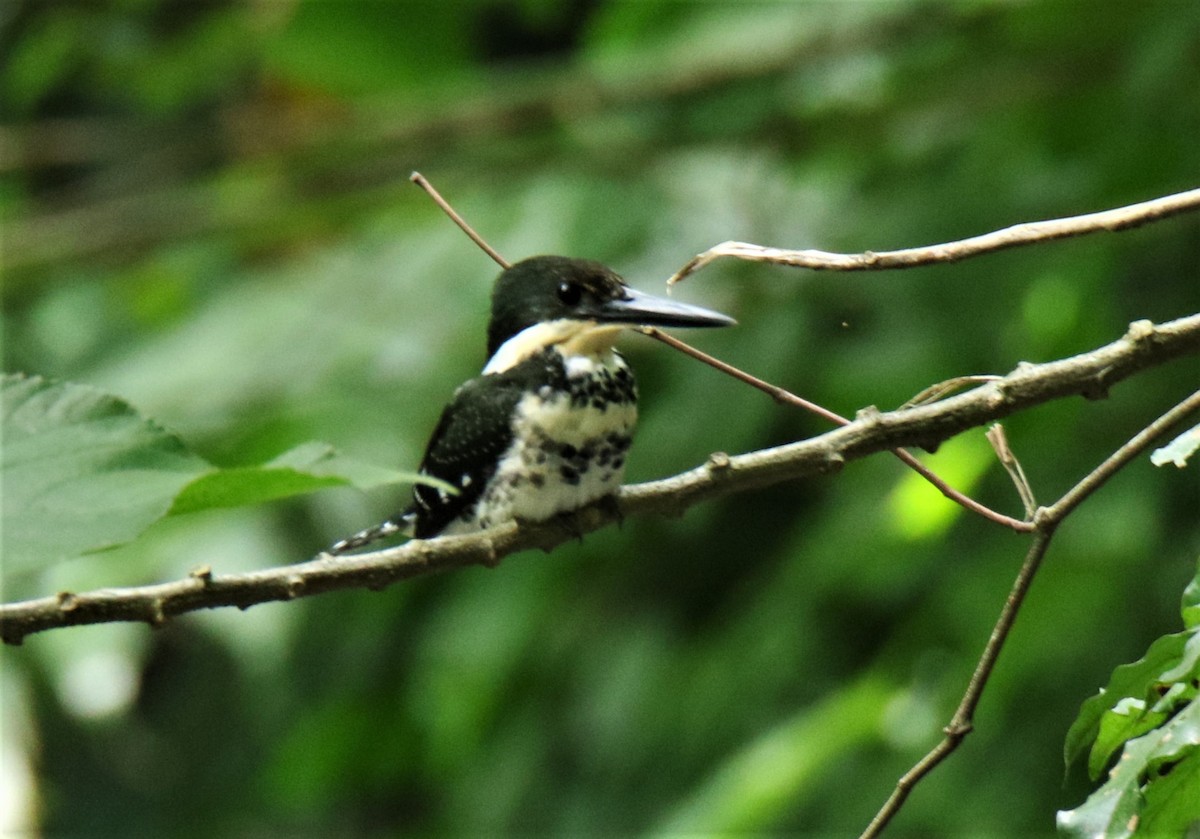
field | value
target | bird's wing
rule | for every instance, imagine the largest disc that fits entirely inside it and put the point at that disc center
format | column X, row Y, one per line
column 473, row 433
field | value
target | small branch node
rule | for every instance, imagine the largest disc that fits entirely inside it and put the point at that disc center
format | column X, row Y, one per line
column 1140, row 331
column 719, row 463
column 1044, row 519
column 870, row 415
column 203, row 573
column 158, row 615
column 997, row 395
column 1096, row 388
column 958, row 730
column 67, row 601
column 834, row 462
column 295, row 586
column 424, row 555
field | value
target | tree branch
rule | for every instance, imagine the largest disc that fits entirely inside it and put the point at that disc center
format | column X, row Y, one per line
column 1089, row 374
column 1047, row 520
column 1028, row 233
column 786, row 397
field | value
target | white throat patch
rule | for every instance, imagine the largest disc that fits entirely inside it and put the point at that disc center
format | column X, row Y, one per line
column 572, row 337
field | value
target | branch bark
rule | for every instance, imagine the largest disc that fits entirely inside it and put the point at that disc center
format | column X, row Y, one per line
column 1089, row 374
column 1027, row 233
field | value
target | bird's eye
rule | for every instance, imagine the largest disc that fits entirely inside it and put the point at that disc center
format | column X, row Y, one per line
column 570, row 293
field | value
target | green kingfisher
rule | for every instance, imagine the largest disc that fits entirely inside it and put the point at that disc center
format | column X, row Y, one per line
column 544, row 430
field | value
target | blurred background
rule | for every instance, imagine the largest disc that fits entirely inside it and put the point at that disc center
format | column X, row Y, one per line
column 206, row 211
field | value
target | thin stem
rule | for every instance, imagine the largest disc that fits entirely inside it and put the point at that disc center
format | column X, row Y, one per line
column 1138, row 444
column 786, row 397
column 1047, row 520
column 419, row 179
column 999, row 440
column 962, row 722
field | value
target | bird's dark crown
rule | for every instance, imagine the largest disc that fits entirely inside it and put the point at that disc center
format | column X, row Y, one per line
column 546, row 288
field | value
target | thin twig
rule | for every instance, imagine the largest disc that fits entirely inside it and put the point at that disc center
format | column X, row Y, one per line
column 962, row 722
column 1047, row 520
column 786, row 397
column 999, row 440
column 1122, row 456
column 419, row 179
column 943, row 389
column 1027, row 233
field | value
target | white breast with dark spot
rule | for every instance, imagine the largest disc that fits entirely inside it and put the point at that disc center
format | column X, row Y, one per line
column 569, row 446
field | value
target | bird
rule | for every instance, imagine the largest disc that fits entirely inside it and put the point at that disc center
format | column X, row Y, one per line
column 544, row 430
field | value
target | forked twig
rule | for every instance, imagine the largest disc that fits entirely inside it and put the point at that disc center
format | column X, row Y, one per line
column 1047, row 520
column 786, row 397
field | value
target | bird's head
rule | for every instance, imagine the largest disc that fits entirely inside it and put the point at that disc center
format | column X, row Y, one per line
column 548, row 300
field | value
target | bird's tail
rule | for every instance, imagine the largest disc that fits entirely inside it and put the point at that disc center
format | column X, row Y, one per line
column 400, row 524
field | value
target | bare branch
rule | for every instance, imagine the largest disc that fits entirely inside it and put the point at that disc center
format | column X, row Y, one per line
column 1028, row 233
column 1047, row 520
column 786, row 397
column 1089, row 374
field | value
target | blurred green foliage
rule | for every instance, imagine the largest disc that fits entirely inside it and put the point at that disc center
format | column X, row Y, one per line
column 206, row 213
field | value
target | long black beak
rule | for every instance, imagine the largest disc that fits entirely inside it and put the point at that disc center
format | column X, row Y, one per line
column 640, row 309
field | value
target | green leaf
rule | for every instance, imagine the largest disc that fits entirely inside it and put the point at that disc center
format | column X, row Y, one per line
column 306, row 468
column 1189, row 662
column 1150, row 709
column 1141, row 798
column 1129, row 719
column 322, row 459
column 1190, row 607
column 1173, row 800
column 81, row 470
column 1129, row 681
column 1111, row 811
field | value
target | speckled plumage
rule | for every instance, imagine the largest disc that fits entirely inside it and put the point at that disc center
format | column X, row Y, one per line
column 559, row 443
column 545, row 429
